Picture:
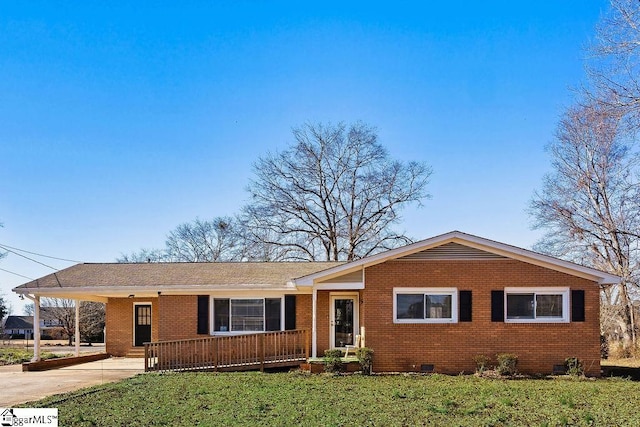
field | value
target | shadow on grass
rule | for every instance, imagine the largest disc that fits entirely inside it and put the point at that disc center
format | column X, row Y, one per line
column 621, row 371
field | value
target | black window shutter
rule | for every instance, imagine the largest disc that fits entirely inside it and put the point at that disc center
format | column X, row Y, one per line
column 497, row 306
column 289, row 312
column 272, row 314
column 203, row 314
column 465, row 306
column 577, row 305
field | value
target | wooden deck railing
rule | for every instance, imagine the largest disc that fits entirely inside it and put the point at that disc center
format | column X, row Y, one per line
column 229, row 353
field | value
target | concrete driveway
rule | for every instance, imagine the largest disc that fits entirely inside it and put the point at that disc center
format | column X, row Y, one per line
column 20, row 387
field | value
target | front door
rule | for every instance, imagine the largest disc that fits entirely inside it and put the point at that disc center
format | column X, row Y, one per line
column 142, row 322
column 344, row 320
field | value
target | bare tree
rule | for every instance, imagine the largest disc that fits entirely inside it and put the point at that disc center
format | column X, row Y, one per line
column 218, row 239
column 614, row 63
column 92, row 321
column 333, row 195
column 63, row 312
column 204, row 241
column 253, row 244
column 589, row 206
column 29, row 309
column 144, row 255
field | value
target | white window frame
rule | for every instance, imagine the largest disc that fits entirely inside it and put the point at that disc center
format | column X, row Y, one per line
column 212, row 317
column 453, row 292
column 564, row 291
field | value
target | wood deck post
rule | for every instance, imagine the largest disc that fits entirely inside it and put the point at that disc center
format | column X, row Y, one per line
column 261, row 347
column 215, row 353
column 146, row 357
column 306, row 343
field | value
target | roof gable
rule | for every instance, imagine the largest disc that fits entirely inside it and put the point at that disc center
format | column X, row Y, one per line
column 450, row 251
column 456, row 245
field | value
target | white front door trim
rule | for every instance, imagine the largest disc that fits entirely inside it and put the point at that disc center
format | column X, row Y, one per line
column 333, row 296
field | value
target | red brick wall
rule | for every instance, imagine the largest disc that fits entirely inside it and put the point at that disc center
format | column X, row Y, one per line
column 451, row 347
column 178, row 317
column 304, row 313
column 119, row 323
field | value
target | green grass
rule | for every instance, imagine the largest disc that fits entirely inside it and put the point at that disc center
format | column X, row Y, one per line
column 299, row 399
column 12, row 356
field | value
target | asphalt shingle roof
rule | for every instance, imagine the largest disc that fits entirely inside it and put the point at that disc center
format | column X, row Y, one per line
column 259, row 274
column 19, row 322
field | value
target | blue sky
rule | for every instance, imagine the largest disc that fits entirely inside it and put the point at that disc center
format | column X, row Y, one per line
column 118, row 122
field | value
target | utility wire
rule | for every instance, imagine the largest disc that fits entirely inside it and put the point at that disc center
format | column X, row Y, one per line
column 11, row 272
column 7, row 247
column 30, row 259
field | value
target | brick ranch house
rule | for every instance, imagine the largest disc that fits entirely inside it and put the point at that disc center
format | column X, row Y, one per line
column 435, row 303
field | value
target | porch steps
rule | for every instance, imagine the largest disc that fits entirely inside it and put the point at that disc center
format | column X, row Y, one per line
column 136, row 353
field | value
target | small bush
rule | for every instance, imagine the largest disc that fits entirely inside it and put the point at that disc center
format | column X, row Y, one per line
column 365, row 358
column 507, row 363
column 573, row 366
column 333, row 361
column 482, row 362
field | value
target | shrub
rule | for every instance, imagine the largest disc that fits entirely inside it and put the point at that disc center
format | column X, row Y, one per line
column 573, row 366
column 507, row 363
column 365, row 358
column 333, row 361
column 482, row 362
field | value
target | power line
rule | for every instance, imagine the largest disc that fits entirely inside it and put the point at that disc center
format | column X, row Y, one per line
column 11, row 272
column 37, row 254
column 30, row 259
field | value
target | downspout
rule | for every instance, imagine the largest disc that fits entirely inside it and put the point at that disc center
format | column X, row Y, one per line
column 36, row 327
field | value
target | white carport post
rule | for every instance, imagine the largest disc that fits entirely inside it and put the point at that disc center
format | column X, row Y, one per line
column 36, row 327
column 77, row 334
column 314, row 303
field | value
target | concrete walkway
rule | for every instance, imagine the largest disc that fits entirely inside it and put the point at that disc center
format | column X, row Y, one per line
column 20, row 387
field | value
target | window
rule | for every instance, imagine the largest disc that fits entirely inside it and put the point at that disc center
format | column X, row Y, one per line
column 537, row 304
column 425, row 305
column 247, row 315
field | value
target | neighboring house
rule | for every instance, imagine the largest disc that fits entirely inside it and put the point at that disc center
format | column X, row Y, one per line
column 23, row 325
column 435, row 303
column 48, row 317
column 19, row 326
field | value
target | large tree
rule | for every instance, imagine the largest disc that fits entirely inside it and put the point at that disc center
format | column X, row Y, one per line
column 334, row 194
column 92, row 321
column 589, row 206
column 614, row 63
column 218, row 239
column 60, row 310
column 204, row 241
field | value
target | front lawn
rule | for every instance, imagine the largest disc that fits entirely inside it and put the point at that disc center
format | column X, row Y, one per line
column 300, row 399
